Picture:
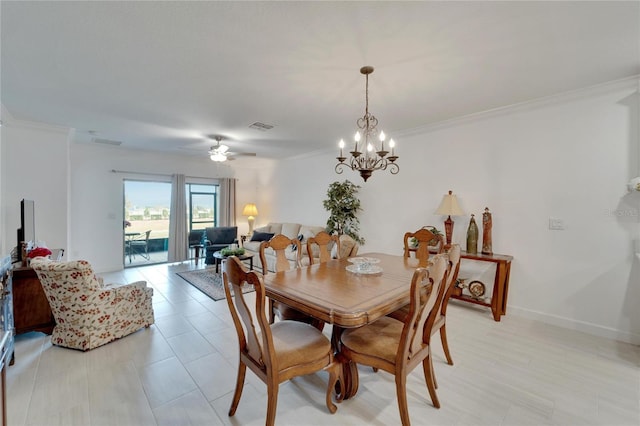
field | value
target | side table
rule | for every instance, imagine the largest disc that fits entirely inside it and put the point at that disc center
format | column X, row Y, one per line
column 196, row 249
column 498, row 303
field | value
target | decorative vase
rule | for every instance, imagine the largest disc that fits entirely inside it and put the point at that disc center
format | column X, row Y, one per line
column 487, row 223
column 472, row 236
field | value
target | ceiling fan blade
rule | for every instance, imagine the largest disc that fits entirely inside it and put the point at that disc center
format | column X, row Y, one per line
column 238, row 154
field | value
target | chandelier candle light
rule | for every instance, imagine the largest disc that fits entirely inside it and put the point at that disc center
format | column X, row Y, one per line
column 449, row 207
column 250, row 210
column 367, row 161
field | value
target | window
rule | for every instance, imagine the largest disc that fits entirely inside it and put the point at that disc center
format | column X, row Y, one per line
column 202, row 205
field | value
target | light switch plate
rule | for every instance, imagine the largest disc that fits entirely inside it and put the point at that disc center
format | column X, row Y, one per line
column 556, row 224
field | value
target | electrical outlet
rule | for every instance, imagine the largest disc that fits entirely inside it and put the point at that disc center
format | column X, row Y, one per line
column 556, row 224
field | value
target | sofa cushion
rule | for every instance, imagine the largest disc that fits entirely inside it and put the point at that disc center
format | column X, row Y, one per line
column 253, row 246
column 275, row 228
column 295, row 247
column 290, row 230
column 265, row 228
column 310, row 231
column 261, row 236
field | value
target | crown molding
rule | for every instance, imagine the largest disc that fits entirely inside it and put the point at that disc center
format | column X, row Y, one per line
column 599, row 89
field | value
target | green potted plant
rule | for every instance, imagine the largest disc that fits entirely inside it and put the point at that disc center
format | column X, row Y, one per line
column 343, row 205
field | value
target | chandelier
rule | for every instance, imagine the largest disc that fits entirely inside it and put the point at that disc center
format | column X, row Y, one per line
column 368, row 160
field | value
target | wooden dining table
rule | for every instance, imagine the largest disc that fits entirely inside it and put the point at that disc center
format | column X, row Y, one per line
column 344, row 299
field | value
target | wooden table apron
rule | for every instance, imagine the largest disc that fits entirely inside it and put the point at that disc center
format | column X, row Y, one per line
column 329, row 292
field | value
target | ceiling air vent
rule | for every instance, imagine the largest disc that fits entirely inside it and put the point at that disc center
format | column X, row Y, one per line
column 107, row 141
column 261, row 126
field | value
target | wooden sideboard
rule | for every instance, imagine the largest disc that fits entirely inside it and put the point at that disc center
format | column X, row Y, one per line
column 31, row 310
column 498, row 303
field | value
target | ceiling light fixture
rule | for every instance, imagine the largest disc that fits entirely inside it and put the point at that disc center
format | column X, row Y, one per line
column 218, row 153
column 368, row 161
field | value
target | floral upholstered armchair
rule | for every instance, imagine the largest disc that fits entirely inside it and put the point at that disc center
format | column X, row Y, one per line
column 89, row 313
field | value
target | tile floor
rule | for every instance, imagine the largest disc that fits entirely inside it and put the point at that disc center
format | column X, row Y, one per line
column 181, row 371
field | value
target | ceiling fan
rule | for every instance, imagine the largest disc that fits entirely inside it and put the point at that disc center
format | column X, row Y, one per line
column 220, row 153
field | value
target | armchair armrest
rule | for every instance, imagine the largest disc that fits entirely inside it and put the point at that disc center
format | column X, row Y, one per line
column 123, row 296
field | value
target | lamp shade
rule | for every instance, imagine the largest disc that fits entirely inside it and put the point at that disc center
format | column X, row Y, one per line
column 449, row 206
column 250, row 210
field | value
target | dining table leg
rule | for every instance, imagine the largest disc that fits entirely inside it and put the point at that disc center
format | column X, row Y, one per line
column 349, row 368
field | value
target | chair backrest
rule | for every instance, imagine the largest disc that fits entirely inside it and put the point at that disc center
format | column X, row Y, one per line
column 423, row 236
column 437, row 245
column 424, row 302
column 279, row 244
column 221, row 234
column 196, row 236
column 146, row 236
column 323, row 240
column 452, row 276
column 256, row 342
column 348, row 247
column 66, row 284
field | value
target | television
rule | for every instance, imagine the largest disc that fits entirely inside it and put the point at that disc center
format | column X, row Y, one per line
column 27, row 230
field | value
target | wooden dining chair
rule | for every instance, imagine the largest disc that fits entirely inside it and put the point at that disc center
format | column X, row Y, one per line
column 279, row 244
column 441, row 318
column 274, row 352
column 323, row 241
column 447, row 289
column 398, row 347
column 424, row 238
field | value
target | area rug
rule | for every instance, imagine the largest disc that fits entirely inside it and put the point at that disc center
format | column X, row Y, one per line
column 208, row 282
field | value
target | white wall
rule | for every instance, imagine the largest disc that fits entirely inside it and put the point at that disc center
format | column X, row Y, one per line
column 35, row 166
column 569, row 158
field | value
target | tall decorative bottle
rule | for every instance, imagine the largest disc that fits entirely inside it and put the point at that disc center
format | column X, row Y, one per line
column 472, row 236
column 487, row 224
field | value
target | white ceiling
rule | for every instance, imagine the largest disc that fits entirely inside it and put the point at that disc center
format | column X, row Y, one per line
column 162, row 75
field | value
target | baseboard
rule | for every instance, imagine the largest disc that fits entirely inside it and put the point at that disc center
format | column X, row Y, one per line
column 572, row 324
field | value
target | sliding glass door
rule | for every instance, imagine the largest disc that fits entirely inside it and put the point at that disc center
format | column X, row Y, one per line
column 147, row 211
column 146, row 226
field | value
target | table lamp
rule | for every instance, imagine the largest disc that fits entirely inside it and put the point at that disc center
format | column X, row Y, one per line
column 250, row 210
column 449, row 206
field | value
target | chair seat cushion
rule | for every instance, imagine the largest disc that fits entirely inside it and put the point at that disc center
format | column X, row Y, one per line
column 298, row 343
column 379, row 339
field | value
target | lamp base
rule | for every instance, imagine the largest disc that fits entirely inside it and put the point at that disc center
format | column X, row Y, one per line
column 251, row 221
column 448, row 230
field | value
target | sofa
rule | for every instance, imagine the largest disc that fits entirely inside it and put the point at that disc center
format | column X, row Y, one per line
column 216, row 238
column 348, row 247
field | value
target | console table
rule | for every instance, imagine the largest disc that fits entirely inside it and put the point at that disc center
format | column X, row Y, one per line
column 31, row 310
column 498, row 303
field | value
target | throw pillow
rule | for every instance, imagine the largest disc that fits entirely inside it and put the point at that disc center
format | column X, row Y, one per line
column 261, row 236
column 295, row 247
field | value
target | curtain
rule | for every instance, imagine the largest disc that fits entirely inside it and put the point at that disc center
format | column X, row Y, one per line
column 178, row 243
column 227, row 202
